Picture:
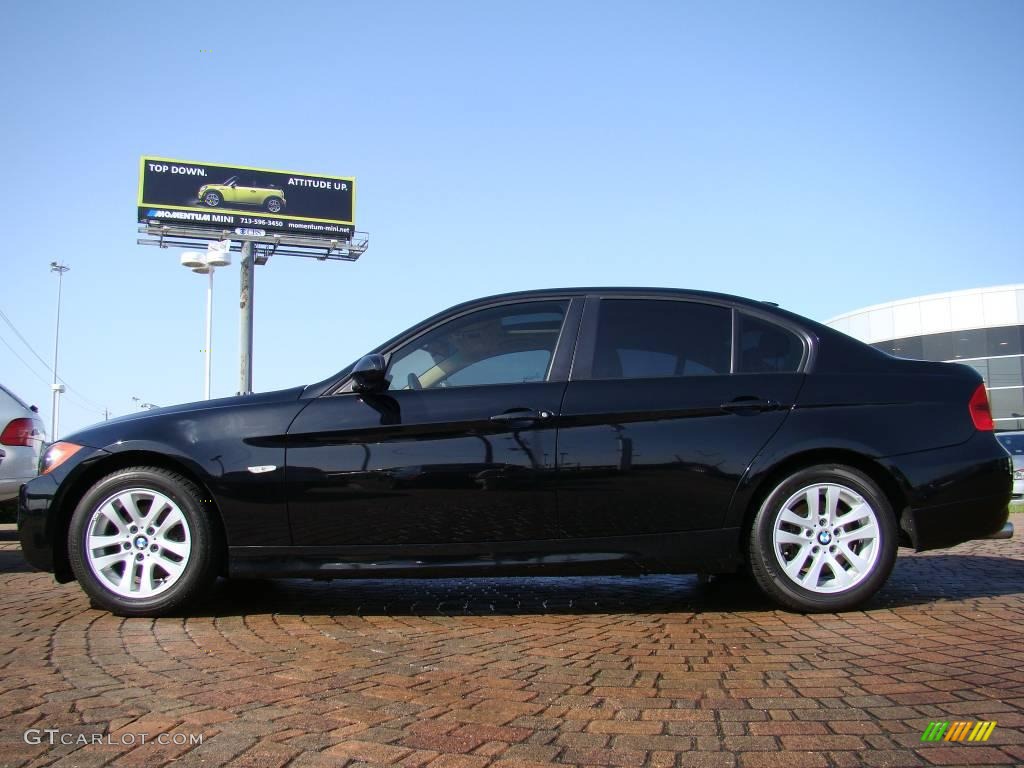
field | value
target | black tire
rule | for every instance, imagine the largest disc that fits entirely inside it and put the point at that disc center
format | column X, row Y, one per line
column 198, row 569
column 213, row 199
column 765, row 563
column 274, row 204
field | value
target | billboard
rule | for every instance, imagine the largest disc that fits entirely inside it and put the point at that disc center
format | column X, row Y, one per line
column 233, row 196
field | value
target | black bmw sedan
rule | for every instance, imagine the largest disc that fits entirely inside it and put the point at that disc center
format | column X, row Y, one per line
column 582, row 430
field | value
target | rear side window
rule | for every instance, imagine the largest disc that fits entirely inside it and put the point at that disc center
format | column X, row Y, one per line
column 648, row 338
column 767, row 348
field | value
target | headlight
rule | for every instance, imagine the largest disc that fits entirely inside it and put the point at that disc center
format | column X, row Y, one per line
column 56, row 455
column 1018, row 474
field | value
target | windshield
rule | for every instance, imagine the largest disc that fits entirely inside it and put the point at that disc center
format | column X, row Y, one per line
column 1013, row 443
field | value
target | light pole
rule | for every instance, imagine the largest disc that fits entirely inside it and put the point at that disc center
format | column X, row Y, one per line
column 57, row 388
column 217, row 255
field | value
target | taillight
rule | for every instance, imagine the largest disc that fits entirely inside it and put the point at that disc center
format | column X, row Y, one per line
column 20, row 432
column 981, row 412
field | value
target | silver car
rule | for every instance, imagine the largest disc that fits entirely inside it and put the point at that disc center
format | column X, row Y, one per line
column 1014, row 443
column 22, row 436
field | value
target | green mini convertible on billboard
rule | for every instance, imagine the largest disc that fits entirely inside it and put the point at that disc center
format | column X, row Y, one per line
column 218, row 197
column 236, row 191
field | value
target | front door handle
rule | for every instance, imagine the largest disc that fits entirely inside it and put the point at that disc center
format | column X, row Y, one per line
column 521, row 414
column 749, row 404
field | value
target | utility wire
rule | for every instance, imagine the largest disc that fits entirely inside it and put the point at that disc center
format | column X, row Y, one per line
column 33, row 370
column 92, row 405
column 68, row 398
column 17, row 333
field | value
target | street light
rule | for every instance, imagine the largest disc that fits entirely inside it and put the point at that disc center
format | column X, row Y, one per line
column 217, row 255
column 57, row 388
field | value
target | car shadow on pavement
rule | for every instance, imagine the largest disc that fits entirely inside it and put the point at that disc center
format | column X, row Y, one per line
column 916, row 580
column 11, row 561
column 932, row 577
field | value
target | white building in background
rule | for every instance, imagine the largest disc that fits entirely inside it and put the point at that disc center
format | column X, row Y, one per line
column 981, row 327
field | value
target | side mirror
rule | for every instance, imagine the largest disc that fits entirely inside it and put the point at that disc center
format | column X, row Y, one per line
column 368, row 374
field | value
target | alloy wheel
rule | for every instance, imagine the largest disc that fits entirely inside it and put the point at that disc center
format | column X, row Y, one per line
column 826, row 538
column 138, row 543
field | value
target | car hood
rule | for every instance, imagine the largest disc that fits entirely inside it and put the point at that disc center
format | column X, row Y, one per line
column 97, row 435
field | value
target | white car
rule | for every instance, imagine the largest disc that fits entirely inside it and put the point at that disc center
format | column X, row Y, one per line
column 22, row 436
column 1014, row 443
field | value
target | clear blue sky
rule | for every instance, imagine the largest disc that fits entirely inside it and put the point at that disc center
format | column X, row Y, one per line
column 822, row 155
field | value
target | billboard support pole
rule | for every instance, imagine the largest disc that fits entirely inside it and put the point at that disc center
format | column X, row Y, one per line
column 208, row 377
column 256, row 247
column 246, row 286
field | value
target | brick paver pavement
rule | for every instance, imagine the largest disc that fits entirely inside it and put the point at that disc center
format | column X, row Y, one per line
column 512, row 673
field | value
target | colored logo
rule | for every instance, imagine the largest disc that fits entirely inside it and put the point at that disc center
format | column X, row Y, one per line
column 959, row 731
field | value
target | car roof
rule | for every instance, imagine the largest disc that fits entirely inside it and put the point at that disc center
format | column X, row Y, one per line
column 621, row 290
column 764, row 306
column 633, row 292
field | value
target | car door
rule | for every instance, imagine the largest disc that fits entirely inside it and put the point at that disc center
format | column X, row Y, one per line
column 662, row 414
column 460, row 448
column 229, row 190
column 248, row 193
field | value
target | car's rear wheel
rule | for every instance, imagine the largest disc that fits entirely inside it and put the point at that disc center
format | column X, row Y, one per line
column 213, row 199
column 823, row 540
column 141, row 543
column 274, row 204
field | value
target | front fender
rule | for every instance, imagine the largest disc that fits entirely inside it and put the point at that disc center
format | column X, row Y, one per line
column 253, row 507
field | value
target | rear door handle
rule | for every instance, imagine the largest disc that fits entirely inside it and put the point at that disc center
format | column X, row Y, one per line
column 521, row 414
column 749, row 405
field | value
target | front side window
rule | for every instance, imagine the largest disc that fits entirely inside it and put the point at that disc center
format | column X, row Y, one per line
column 651, row 338
column 509, row 344
column 766, row 348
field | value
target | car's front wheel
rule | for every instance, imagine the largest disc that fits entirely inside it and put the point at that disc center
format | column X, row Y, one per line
column 823, row 540
column 213, row 199
column 141, row 543
column 274, row 204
